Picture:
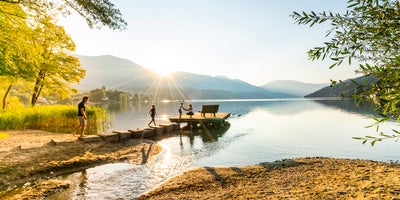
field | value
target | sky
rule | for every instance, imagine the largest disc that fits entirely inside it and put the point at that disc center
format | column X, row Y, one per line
column 252, row 40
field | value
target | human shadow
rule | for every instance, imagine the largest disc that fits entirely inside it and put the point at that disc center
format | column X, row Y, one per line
column 218, row 177
column 145, row 155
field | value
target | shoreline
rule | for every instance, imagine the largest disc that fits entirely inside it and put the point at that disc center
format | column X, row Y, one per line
column 299, row 178
column 30, row 156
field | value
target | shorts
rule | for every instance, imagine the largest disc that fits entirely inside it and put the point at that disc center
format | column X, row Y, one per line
column 82, row 120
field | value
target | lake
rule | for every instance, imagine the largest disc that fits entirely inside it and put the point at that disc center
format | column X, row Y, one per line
column 262, row 130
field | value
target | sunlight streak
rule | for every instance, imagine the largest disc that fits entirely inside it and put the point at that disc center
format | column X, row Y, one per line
column 157, row 87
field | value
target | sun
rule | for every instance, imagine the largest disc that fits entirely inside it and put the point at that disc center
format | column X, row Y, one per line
column 163, row 71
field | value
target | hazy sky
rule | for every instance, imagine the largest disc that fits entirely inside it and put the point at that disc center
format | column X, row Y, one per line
column 252, row 40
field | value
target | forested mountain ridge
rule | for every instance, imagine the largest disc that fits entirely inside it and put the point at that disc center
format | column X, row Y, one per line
column 343, row 89
column 122, row 74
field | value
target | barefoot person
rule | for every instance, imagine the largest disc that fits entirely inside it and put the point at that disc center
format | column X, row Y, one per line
column 153, row 114
column 82, row 117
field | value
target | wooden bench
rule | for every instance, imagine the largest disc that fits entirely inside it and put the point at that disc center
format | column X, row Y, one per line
column 209, row 109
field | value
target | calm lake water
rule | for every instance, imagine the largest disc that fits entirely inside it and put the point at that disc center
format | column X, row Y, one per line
column 260, row 131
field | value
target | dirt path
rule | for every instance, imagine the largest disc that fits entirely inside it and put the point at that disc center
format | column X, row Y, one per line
column 31, row 156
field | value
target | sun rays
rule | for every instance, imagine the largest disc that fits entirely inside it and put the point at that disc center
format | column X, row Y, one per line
column 155, row 85
column 165, row 88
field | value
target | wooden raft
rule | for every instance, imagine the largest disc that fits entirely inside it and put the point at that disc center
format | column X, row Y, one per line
column 198, row 118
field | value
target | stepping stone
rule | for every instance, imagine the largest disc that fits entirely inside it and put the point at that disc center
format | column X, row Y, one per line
column 158, row 130
column 125, row 135
column 148, row 132
column 90, row 138
column 110, row 137
column 137, row 134
column 168, row 128
column 58, row 141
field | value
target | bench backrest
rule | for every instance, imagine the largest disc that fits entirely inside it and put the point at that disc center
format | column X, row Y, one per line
column 209, row 108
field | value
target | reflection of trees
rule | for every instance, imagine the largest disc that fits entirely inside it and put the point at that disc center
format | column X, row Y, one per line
column 350, row 105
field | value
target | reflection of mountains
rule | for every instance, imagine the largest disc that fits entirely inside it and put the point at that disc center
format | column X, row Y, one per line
column 276, row 107
column 296, row 106
column 350, row 105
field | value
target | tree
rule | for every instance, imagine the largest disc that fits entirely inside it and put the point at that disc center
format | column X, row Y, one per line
column 15, row 49
column 56, row 68
column 96, row 12
column 116, row 96
column 97, row 95
column 367, row 32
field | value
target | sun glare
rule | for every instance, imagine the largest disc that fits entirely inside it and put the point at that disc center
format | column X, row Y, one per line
column 163, row 71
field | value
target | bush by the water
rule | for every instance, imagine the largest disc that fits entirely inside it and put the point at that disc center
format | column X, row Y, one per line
column 54, row 118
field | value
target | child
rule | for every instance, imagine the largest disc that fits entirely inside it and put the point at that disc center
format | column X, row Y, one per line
column 181, row 108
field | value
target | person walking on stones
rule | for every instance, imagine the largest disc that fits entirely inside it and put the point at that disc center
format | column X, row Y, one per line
column 153, row 114
column 82, row 117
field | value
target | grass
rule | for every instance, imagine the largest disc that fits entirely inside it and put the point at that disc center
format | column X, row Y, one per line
column 54, row 118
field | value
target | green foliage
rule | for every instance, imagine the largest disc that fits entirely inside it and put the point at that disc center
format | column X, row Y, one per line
column 56, row 68
column 55, row 118
column 367, row 32
column 96, row 12
column 97, row 95
column 37, row 52
column 117, row 96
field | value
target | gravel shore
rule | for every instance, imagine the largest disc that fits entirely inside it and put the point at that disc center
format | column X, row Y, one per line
column 31, row 156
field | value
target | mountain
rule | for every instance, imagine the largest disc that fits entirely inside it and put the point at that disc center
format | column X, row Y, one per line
column 122, row 74
column 343, row 89
column 296, row 88
column 107, row 71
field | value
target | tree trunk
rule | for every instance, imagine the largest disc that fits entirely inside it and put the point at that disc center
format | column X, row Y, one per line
column 38, row 86
column 5, row 96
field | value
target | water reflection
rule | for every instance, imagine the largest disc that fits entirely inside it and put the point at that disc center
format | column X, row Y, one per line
column 127, row 181
column 135, row 115
column 350, row 105
column 82, row 183
column 257, row 131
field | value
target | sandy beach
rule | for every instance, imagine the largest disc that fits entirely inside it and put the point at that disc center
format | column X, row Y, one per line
column 31, row 156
